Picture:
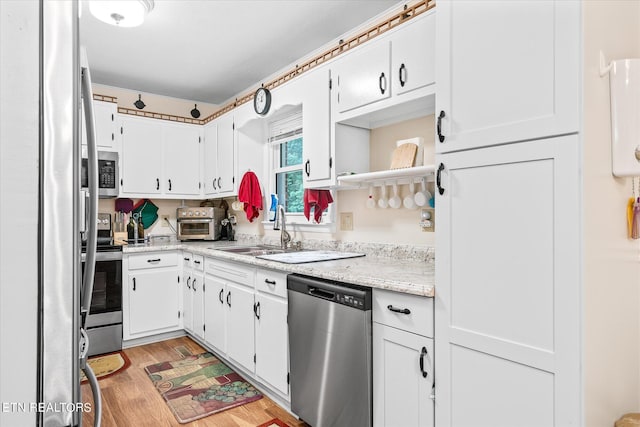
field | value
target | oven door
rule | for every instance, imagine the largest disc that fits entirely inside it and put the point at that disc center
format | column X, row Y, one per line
column 104, row 322
column 196, row 229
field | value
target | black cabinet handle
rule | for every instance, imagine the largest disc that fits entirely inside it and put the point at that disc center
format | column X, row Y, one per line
column 439, row 179
column 220, row 296
column 188, row 284
column 439, row 126
column 219, row 186
column 380, row 80
column 214, row 184
column 195, row 261
column 154, row 260
column 307, row 167
column 157, row 183
column 269, row 282
column 169, row 185
column 187, row 259
column 134, row 283
column 228, row 301
column 422, row 354
column 193, row 284
column 399, row 310
column 401, row 74
column 256, row 310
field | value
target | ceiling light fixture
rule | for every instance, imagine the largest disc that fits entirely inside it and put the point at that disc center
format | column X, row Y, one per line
column 122, row 13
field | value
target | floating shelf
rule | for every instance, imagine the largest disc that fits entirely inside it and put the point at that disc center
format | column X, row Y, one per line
column 387, row 177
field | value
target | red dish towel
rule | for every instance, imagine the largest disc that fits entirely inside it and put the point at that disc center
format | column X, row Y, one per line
column 249, row 193
column 319, row 200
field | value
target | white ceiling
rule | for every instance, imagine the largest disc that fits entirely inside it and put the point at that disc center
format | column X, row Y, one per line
column 210, row 50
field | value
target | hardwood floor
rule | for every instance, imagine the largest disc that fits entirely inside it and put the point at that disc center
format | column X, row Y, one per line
column 130, row 399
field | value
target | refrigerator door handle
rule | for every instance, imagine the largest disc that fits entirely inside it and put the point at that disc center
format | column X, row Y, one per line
column 92, row 172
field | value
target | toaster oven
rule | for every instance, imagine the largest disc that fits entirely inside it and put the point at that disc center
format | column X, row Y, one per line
column 201, row 223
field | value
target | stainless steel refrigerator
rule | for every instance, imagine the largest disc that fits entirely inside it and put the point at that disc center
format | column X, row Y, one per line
column 43, row 293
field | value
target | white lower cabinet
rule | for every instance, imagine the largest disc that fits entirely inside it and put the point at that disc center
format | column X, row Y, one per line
column 403, row 360
column 240, row 330
column 187, row 293
column 197, row 307
column 401, row 391
column 215, row 319
column 272, row 332
column 151, row 301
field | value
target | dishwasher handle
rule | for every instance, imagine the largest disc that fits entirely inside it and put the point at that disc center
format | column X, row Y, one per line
column 322, row 293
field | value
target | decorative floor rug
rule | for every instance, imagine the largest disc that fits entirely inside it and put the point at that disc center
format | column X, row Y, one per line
column 105, row 365
column 200, row 385
column 274, row 423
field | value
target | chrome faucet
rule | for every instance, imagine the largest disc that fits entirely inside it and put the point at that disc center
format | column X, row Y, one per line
column 281, row 224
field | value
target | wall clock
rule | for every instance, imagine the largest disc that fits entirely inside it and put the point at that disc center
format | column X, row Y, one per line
column 262, row 101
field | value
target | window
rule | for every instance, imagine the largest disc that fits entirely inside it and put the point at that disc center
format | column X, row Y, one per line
column 286, row 143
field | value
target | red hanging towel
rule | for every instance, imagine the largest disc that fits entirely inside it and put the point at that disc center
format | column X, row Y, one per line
column 319, row 200
column 250, row 194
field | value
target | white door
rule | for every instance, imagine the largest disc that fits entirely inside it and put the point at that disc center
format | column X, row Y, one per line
column 240, row 329
column 153, row 301
column 197, row 286
column 225, row 154
column 272, row 342
column 363, row 76
column 141, row 165
column 210, row 158
column 506, row 71
column 105, row 125
column 214, row 313
column 401, row 391
column 187, row 299
column 413, row 54
column 316, row 127
column 507, row 329
column 181, row 144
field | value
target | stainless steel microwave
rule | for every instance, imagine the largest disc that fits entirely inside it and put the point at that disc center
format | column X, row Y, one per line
column 108, row 178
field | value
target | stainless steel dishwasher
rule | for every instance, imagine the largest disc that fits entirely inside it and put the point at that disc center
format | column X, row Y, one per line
column 330, row 352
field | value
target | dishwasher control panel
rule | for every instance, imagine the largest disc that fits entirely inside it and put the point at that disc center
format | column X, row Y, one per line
column 350, row 300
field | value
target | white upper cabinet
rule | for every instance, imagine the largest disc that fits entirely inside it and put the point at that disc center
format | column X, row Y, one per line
column 181, row 159
column 141, row 166
column 506, row 71
column 364, row 76
column 160, row 158
column 316, row 126
column 219, row 159
column 107, row 135
column 413, row 55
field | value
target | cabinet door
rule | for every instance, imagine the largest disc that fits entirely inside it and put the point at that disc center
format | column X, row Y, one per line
column 215, row 333
column 210, row 158
column 506, row 71
column 401, row 392
column 141, row 156
column 181, row 144
column 272, row 342
column 240, row 330
column 413, row 54
column 507, row 310
column 187, row 299
column 225, row 155
column 197, row 286
column 363, row 76
column 154, row 302
column 316, row 127
column 105, row 125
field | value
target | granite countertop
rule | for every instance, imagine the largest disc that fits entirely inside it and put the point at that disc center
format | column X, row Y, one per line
column 411, row 276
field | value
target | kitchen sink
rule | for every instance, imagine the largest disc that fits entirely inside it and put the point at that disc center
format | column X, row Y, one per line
column 255, row 250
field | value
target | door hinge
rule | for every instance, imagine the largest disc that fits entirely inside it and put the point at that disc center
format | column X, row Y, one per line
column 287, row 377
column 199, row 185
column 233, row 125
column 199, row 139
column 330, row 84
column 178, row 314
column 233, row 179
column 330, row 162
column 254, row 358
column 204, row 327
column 204, row 287
column 121, row 181
column 121, row 130
column 178, row 278
column 112, row 117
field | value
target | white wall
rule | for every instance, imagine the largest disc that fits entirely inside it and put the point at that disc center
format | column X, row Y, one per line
column 611, row 261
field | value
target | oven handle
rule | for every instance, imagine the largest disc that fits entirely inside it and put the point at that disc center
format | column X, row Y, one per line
column 191, row 221
column 104, row 256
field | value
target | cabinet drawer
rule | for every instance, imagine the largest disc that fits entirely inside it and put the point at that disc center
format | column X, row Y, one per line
column 272, row 282
column 410, row 313
column 198, row 262
column 238, row 273
column 187, row 258
column 153, row 260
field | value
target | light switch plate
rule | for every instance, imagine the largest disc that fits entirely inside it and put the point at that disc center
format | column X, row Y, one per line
column 346, row 221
